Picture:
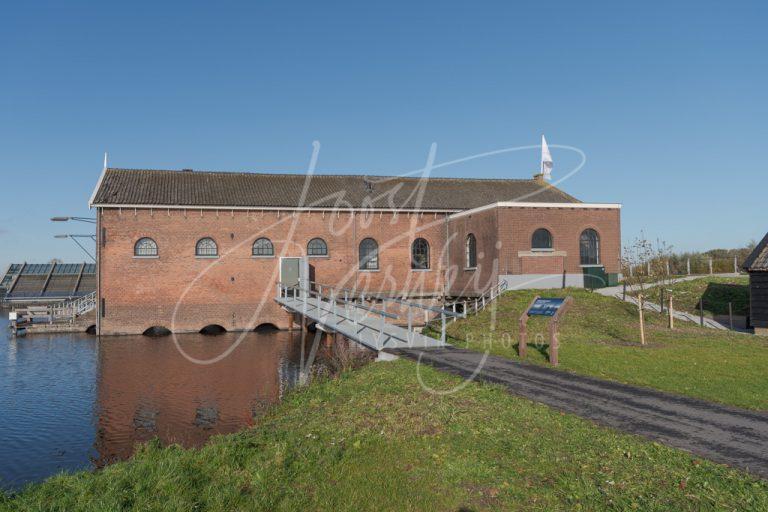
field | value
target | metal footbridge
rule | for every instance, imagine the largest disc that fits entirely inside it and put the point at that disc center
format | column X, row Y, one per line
column 375, row 322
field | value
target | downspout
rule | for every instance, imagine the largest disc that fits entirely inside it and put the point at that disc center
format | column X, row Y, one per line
column 98, row 270
column 447, row 261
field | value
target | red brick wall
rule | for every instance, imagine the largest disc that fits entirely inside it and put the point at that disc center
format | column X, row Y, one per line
column 183, row 293
column 542, row 264
column 516, row 227
column 235, row 290
column 484, row 225
column 504, row 233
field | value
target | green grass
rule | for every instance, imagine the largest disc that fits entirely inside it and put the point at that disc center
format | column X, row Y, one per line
column 716, row 291
column 600, row 337
column 374, row 440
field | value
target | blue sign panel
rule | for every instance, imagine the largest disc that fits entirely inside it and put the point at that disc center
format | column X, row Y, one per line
column 545, row 307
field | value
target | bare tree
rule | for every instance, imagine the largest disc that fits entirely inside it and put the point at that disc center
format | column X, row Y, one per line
column 646, row 262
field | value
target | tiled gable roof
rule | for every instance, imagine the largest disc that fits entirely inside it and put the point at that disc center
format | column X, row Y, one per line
column 758, row 259
column 144, row 187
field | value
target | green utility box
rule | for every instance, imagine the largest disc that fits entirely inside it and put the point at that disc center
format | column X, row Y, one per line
column 595, row 277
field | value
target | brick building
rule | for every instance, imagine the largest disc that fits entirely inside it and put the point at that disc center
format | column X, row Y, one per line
column 187, row 249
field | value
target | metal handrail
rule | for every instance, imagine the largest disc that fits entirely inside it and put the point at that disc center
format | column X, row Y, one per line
column 484, row 299
column 444, row 313
column 284, row 290
column 379, row 312
column 433, row 309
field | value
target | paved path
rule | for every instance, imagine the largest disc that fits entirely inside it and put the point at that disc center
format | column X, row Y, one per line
column 721, row 433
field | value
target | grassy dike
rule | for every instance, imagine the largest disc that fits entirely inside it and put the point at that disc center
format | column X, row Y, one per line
column 600, row 336
column 717, row 292
column 374, row 440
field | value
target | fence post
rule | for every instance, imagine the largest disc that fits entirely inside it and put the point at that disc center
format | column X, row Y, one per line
column 648, row 265
column 624, row 291
column 688, row 266
column 735, row 265
column 667, row 267
column 671, row 312
column 730, row 314
column 701, row 311
column 661, row 300
column 642, row 327
column 710, row 265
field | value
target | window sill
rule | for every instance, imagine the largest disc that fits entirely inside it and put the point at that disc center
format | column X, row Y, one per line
column 259, row 257
column 421, row 270
column 368, row 270
column 146, row 257
column 592, row 265
column 470, row 269
column 542, row 250
column 319, row 257
column 197, row 257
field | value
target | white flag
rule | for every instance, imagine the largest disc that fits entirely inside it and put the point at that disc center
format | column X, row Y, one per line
column 546, row 160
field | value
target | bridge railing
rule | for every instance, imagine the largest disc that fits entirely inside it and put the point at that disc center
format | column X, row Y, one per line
column 308, row 296
column 357, row 299
column 477, row 304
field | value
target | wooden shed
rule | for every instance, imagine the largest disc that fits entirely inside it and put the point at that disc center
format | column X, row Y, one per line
column 757, row 267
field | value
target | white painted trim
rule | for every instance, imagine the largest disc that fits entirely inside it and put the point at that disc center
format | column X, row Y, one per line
column 269, row 208
column 511, row 204
column 541, row 254
column 95, row 190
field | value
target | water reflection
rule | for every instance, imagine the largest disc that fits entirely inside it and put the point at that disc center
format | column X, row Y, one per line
column 147, row 389
column 69, row 402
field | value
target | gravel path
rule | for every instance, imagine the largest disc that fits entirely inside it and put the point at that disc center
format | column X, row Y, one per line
column 724, row 434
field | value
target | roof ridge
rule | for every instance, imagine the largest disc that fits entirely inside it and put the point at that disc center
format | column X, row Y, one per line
column 756, row 253
column 332, row 175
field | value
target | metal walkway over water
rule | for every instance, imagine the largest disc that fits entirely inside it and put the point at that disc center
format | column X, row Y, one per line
column 390, row 326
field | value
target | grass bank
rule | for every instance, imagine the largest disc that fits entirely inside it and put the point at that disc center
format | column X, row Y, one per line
column 600, row 337
column 717, row 292
column 374, row 440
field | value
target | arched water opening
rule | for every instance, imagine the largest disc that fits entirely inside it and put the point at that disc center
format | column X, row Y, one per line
column 157, row 331
column 266, row 328
column 213, row 330
column 91, row 329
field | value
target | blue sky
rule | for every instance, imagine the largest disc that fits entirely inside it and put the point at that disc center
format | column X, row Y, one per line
column 667, row 100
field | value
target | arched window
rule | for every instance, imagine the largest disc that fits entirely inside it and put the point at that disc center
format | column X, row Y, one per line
column 589, row 247
column 317, row 247
column 420, row 254
column 541, row 239
column 145, row 247
column 206, row 247
column 369, row 254
column 471, row 251
column 263, row 247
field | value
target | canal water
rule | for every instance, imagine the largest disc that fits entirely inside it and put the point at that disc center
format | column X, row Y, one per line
column 74, row 401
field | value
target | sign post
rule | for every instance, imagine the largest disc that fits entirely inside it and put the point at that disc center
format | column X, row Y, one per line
column 523, row 344
column 554, row 308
